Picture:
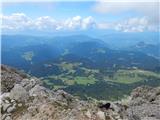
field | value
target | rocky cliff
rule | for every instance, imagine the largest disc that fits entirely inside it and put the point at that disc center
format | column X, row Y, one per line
column 24, row 98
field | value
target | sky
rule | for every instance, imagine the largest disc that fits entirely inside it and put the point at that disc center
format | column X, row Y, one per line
column 63, row 15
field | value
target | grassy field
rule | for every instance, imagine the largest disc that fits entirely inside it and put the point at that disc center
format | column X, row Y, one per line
column 69, row 80
column 89, row 77
column 90, row 71
column 85, row 80
column 132, row 76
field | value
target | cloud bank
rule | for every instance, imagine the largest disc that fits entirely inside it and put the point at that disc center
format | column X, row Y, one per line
column 136, row 24
column 20, row 22
column 147, row 8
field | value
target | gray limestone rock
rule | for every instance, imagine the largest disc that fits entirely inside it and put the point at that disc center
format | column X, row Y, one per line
column 11, row 109
column 19, row 94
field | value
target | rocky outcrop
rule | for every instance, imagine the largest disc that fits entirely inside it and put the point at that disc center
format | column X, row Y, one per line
column 26, row 99
column 9, row 77
column 144, row 104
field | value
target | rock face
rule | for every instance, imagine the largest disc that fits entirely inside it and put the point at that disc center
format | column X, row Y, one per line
column 24, row 98
column 9, row 77
column 145, row 104
column 18, row 93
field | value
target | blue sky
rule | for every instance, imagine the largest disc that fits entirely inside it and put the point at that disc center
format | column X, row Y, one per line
column 59, row 10
column 128, row 16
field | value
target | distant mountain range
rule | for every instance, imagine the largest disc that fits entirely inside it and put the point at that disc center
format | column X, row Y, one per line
column 149, row 49
column 80, row 48
column 123, row 40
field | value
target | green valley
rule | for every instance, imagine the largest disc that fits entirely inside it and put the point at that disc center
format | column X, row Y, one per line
column 75, row 76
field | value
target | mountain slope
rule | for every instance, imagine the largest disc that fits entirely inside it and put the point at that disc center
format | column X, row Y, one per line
column 27, row 99
column 149, row 49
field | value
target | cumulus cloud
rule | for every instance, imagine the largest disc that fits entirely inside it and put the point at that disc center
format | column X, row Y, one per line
column 149, row 8
column 15, row 21
column 44, row 22
column 73, row 23
column 78, row 22
column 135, row 24
column 20, row 22
column 88, row 23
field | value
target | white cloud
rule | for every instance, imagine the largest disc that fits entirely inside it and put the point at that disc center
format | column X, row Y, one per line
column 45, row 22
column 133, row 25
column 72, row 23
column 149, row 8
column 88, row 23
column 20, row 22
column 15, row 21
column 78, row 22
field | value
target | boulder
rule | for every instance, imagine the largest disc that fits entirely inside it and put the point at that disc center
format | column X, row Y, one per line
column 38, row 91
column 100, row 115
column 29, row 83
column 5, row 106
column 88, row 114
column 11, row 109
column 19, row 94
